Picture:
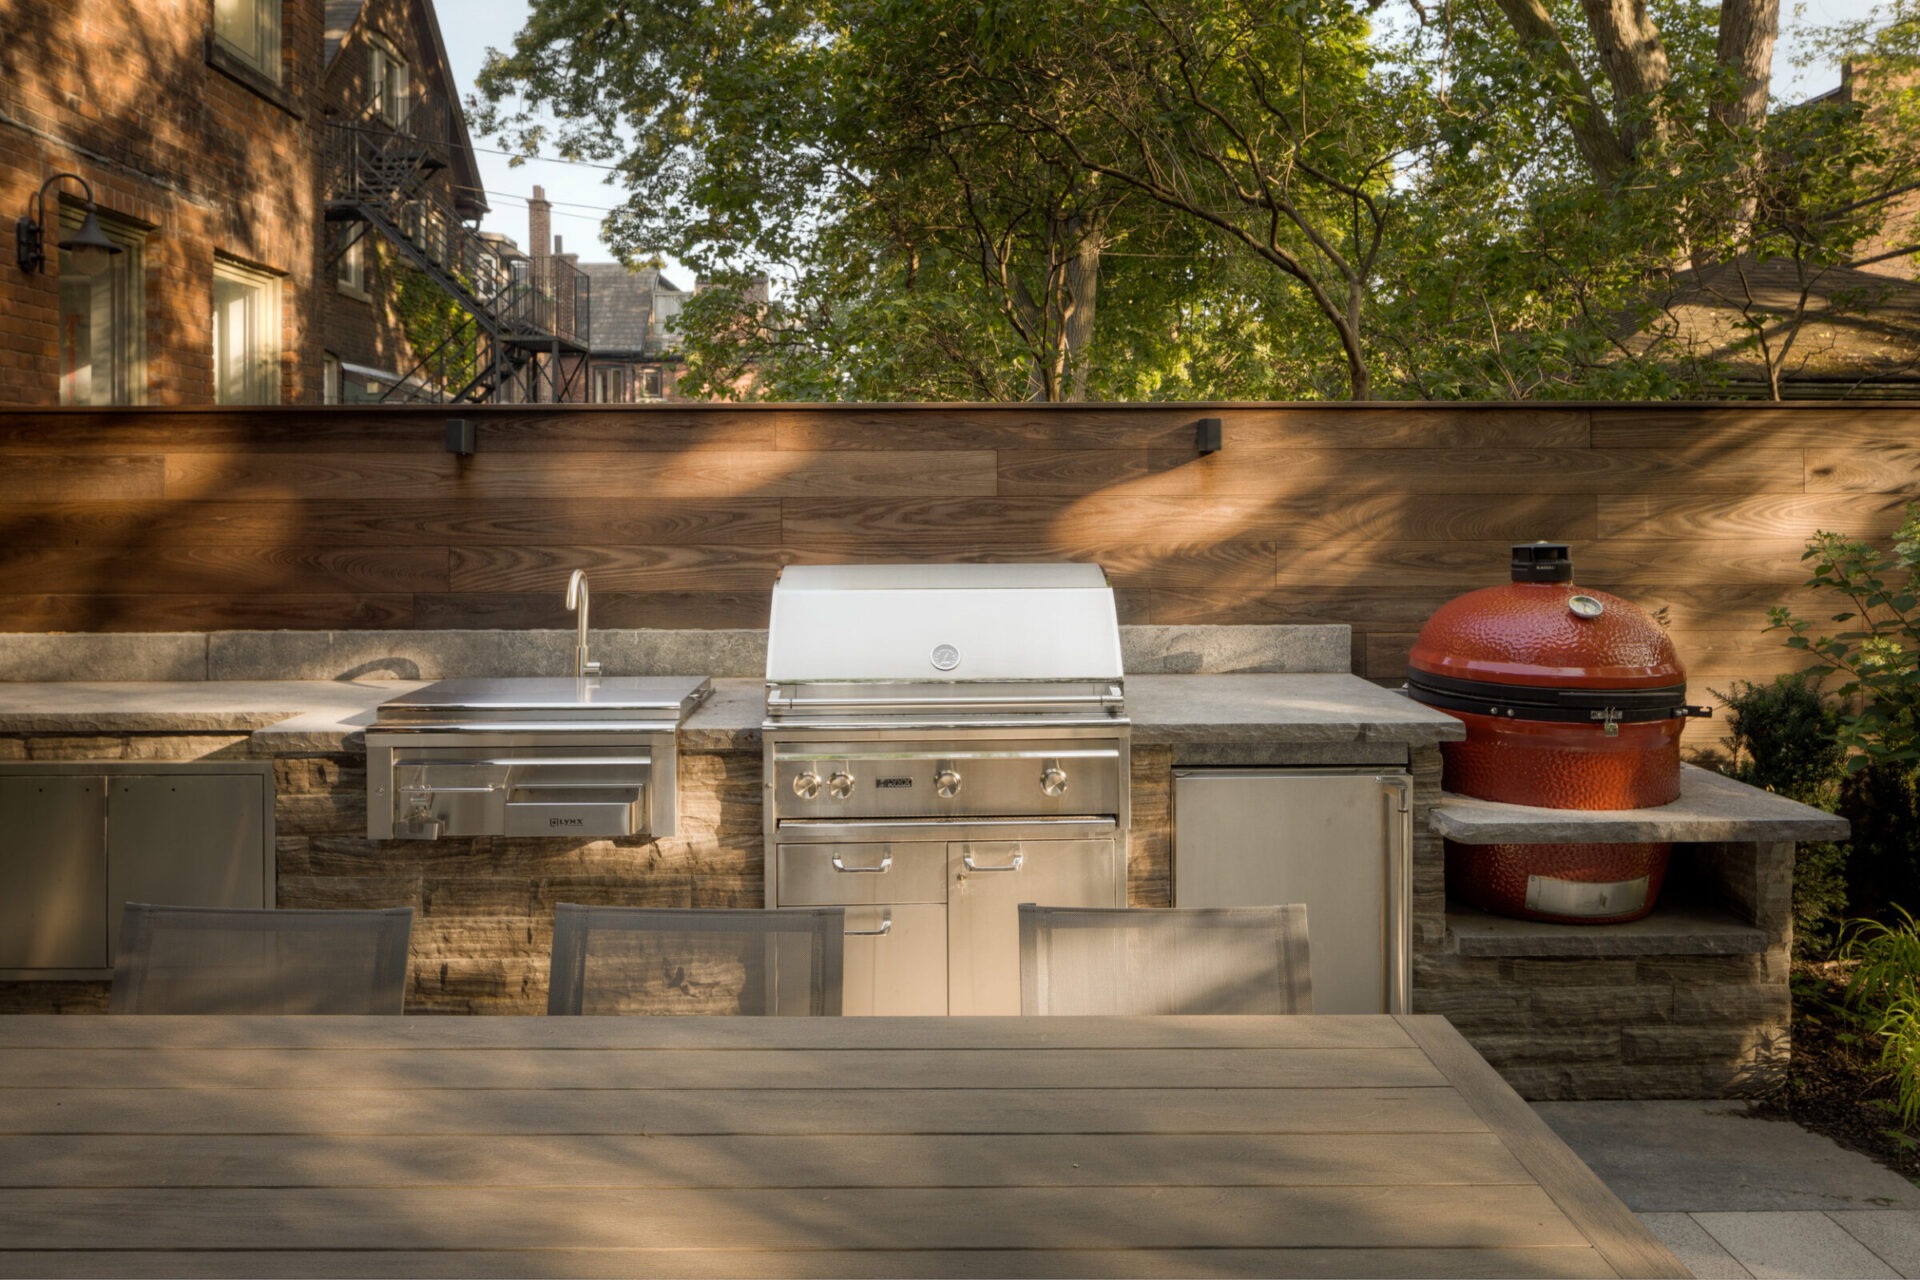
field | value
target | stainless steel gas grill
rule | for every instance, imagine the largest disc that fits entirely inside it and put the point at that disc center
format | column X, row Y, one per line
column 943, row 743
column 563, row 757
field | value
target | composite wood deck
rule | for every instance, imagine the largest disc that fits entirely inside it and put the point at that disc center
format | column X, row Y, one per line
column 1322, row 1146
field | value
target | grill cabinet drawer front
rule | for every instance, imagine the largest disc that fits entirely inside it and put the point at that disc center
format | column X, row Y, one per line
column 896, row 960
column 828, row 875
column 986, row 883
column 518, row 791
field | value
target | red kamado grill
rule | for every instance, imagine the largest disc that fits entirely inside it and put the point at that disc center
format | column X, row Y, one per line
column 1572, row 699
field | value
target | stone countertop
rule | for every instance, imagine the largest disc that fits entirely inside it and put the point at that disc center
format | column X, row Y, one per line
column 1711, row 807
column 295, row 716
column 1170, row 710
column 282, row 715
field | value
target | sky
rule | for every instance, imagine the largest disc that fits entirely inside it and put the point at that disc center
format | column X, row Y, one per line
column 581, row 199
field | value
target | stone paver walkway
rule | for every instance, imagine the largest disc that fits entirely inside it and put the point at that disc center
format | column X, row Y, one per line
column 1734, row 1196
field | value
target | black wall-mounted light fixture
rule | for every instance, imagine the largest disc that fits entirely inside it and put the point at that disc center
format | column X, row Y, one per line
column 1207, row 436
column 462, row 435
column 29, row 233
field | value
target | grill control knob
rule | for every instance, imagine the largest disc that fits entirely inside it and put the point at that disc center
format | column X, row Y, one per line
column 840, row 785
column 947, row 784
column 806, row 785
column 1053, row 780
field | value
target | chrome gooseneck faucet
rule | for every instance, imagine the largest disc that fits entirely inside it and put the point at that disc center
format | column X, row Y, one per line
column 577, row 601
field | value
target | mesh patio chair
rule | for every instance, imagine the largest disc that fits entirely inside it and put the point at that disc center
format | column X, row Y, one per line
column 258, row 960
column 1095, row 960
column 640, row 960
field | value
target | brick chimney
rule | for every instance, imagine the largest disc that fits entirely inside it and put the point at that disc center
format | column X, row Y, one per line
column 539, row 225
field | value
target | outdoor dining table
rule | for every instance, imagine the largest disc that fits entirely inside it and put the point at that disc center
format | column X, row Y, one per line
column 1284, row 1146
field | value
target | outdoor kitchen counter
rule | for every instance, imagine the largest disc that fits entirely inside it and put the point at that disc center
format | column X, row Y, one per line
column 331, row 715
column 1711, row 807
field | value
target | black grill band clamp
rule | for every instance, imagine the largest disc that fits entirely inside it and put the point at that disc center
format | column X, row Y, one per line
column 1610, row 707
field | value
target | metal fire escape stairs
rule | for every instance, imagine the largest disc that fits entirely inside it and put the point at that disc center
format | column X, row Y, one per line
column 520, row 320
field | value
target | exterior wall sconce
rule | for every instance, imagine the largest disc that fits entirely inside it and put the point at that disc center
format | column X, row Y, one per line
column 462, row 437
column 1207, row 436
column 29, row 233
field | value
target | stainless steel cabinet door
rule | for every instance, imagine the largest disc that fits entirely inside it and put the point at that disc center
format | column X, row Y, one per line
column 1338, row 841
column 53, row 864
column 184, row 840
column 896, row 960
column 869, row 874
column 986, row 883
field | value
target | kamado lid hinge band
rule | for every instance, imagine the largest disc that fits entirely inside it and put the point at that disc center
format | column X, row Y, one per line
column 1573, row 706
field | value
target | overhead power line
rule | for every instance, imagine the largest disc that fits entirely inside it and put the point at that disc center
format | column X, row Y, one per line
column 583, row 164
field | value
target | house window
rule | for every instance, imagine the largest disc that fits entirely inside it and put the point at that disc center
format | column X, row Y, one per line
column 666, row 315
column 103, row 314
column 246, row 335
column 650, row 384
column 352, row 275
column 387, row 83
column 250, row 30
column 609, row 385
column 329, row 378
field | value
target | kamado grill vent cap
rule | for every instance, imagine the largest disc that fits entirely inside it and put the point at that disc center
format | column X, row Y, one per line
column 1542, row 562
column 1540, row 648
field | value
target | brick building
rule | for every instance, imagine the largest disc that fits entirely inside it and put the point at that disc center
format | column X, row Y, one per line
column 419, row 303
column 192, row 123
column 635, row 351
column 389, row 103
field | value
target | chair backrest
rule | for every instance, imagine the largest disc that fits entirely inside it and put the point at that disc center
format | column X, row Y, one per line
column 645, row 960
column 260, row 960
column 1096, row 960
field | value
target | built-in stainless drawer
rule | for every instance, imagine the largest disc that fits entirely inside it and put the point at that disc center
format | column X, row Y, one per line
column 560, row 809
column 437, row 790
column 895, row 961
column 827, row 875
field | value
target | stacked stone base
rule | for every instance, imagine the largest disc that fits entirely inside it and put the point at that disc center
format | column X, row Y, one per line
column 1621, row 1016
column 1692, row 1002
column 1628, row 1027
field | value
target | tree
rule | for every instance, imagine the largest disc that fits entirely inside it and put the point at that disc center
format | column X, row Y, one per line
column 1082, row 198
column 807, row 139
column 1271, row 126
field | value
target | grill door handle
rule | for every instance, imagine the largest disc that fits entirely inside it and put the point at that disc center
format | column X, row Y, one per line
column 885, row 865
column 1018, row 860
column 445, row 791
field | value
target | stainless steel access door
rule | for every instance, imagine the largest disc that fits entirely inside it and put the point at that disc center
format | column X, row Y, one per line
column 987, row 880
column 184, row 838
column 1338, row 840
column 53, row 863
column 895, row 893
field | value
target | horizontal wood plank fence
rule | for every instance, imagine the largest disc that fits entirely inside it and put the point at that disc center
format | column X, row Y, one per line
column 1373, row 515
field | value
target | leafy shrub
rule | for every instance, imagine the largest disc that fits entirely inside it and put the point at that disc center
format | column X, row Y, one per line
column 1885, row 991
column 1882, row 802
column 1877, row 656
column 1785, row 740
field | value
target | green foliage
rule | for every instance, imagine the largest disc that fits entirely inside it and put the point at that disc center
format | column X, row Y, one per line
column 1877, row 652
column 1885, row 992
column 1196, row 199
column 1882, row 804
column 1784, row 740
column 434, row 323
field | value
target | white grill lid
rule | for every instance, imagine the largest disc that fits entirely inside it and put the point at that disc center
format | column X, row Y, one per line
column 943, row 622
